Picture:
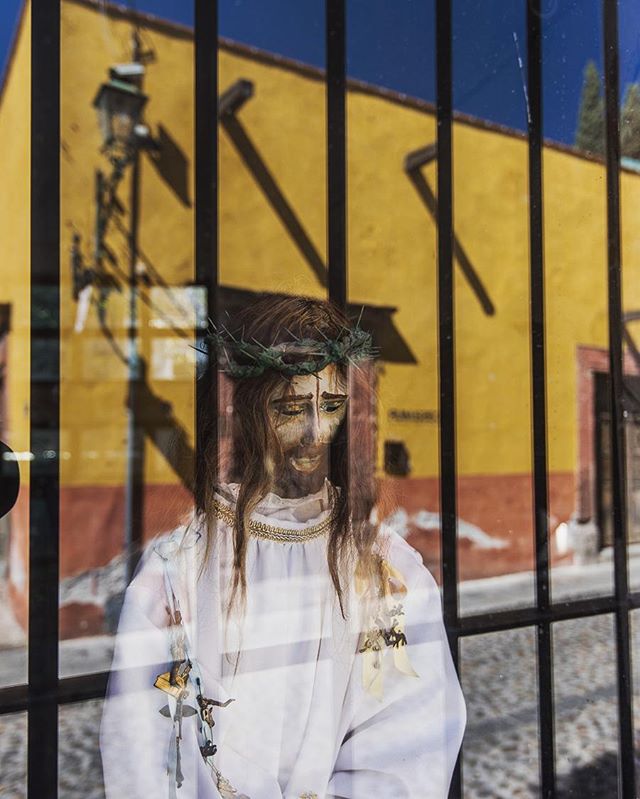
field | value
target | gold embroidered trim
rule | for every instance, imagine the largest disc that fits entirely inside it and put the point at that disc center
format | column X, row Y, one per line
column 271, row 533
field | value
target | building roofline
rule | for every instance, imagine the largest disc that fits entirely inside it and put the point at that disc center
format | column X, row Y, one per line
column 119, row 11
column 152, row 21
column 17, row 32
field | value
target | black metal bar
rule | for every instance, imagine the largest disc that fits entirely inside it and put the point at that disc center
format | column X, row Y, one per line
column 539, row 416
column 448, row 495
column 446, row 343
column 336, row 151
column 526, row 617
column 618, row 449
column 335, row 55
column 134, row 482
column 42, row 768
column 206, row 221
column 15, row 698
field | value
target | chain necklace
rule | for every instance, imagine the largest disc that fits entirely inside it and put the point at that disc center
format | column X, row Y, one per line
column 269, row 532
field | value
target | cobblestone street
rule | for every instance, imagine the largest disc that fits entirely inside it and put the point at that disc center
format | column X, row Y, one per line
column 500, row 684
column 500, row 754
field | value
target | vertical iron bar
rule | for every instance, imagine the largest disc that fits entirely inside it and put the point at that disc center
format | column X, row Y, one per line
column 335, row 54
column 618, row 448
column 134, row 485
column 336, row 151
column 206, row 217
column 446, row 343
column 42, row 769
column 538, row 377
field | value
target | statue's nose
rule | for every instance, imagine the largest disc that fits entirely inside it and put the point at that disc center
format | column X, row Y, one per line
column 312, row 430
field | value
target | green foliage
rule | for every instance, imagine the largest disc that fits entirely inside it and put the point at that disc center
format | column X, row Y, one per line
column 630, row 122
column 590, row 133
column 241, row 359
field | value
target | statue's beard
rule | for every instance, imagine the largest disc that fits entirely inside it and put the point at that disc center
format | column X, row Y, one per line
column 303, row 471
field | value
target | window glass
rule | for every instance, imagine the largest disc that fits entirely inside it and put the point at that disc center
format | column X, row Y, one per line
column 628, row 33
column 491, row 265
column 635, row 643
column 150, row 287
column 585, row 700
column 79, row 766
column 15, row 329
column 500, row 685
column 392, row 253
column 128, row 309
column 13, row 754
column 576, row 307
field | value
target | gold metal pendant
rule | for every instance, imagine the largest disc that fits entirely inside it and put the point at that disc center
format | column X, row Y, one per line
column 174, row 682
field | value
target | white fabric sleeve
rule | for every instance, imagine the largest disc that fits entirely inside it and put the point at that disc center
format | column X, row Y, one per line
column 134, row 736
column 405, row 746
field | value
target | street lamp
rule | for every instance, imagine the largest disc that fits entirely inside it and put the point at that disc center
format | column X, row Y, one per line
column 119, row 103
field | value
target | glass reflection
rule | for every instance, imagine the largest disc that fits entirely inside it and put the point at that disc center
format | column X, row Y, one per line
column 576, row 304
column 500, row 751
column 491, row 265
column 13, row 613
column 15, row 458
column 13, row 755
column 585, row 696
column 128, row 309
column 634, row 618
column 391, row 254
column 79, row 765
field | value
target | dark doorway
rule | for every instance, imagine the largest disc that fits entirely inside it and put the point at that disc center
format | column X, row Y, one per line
column 631, row 406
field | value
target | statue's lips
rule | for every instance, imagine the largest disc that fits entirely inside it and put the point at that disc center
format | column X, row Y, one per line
column 306, row 463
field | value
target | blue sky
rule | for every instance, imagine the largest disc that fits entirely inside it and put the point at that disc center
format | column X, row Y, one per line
column 391, row 43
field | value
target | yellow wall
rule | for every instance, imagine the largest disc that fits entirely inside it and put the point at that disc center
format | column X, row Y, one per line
column 392, row 241
column 491, row 223
column 391, row 248
column 93, row 415
column 576, row 287
column 14, row 236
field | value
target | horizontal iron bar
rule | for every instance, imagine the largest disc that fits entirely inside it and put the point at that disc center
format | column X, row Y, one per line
column 14, row 698
column 559, row 611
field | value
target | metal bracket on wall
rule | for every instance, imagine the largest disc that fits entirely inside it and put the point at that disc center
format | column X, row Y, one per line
column 413, row 163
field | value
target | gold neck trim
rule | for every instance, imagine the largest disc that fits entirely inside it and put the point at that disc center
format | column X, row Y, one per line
column 269, row 532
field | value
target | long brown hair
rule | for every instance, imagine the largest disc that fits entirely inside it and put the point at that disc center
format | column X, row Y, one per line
column 352, row 538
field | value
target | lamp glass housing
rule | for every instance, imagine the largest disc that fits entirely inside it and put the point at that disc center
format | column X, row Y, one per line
column 119, row 105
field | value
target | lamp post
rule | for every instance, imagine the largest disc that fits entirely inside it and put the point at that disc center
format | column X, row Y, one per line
column 119, row 103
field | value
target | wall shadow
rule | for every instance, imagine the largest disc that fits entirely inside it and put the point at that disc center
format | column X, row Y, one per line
column 172, row 165
column 413, row 162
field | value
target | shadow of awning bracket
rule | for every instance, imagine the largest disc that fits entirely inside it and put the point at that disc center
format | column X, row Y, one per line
column 413, row 163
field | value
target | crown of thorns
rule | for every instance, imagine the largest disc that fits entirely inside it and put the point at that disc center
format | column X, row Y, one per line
column 240, row 358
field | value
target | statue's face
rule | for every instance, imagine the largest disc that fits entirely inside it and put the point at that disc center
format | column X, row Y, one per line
column 306, row 414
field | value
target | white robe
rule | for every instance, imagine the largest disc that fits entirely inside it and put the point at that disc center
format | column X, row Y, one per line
column 305, row 720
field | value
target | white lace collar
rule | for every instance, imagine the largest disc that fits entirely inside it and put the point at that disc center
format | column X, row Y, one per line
column 300, row 510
